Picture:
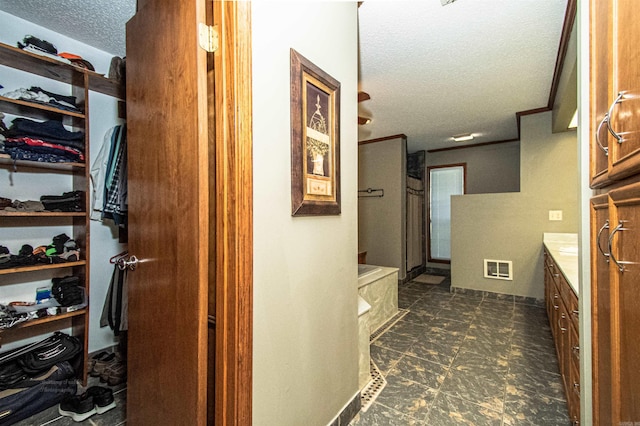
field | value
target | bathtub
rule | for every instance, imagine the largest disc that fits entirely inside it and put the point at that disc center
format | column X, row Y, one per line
column 378, row 286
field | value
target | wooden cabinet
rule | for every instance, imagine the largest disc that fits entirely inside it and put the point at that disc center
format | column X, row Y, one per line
column 624, row 217
column 562, row 310
column 615, row 90
column 69, row 176
column 601, row 310
column 599, row 140
column 615, row 240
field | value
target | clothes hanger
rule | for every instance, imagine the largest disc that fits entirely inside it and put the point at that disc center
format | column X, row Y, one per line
column 114, row 259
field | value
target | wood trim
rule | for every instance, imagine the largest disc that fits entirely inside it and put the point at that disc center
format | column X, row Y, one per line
column 475, row 145
column 385, row 138
column 427, row 189
column 519, row 114
column 627, row 194
column 567, row 27
column 234, row 217
column 600, row 201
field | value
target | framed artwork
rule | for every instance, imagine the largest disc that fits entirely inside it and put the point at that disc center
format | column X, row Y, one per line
column 315, row 140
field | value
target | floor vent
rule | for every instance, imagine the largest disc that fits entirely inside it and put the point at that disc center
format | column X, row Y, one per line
column 373, row 388
column 387, row 325
column 498, row 269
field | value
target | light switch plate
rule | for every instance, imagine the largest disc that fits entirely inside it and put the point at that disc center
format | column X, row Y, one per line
column 555, row 214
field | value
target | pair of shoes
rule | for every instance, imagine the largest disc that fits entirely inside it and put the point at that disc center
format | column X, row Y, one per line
column 80, row 407
column 114, row 374
column 101, row 362
column 92, row 361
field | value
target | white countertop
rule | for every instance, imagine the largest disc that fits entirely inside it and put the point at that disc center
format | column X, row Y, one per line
column 564, row 250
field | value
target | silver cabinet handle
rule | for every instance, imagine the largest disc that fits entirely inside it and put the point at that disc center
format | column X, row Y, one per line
column 605, row 226
column 576, row 351
column 619, row 263
column 605, row 149
column 563, row 329
column 610, row 114
column 576, row 388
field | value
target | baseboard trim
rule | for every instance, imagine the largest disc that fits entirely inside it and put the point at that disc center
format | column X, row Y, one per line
column 523, row 300
column 348, row 412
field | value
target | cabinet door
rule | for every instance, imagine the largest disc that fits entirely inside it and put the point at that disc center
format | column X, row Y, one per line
column 599, row 91
column 600, row 310
column 624, row 150
column 573, row 398
column 624, row 216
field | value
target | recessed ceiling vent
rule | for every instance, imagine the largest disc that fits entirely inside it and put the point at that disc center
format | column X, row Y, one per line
column 498, row 269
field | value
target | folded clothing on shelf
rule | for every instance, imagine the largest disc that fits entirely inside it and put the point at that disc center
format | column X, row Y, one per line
column 39, row 44
column 62, row 249
column 38, row 146
column 51, row 131
column 47, row 141
column 67, row 291
column 67, row 202
column 41, row 96
column 77, row 60
column 25, row 206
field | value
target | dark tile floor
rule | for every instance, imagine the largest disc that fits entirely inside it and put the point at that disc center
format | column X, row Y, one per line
column 467, row 359
column 113, row 417
column 453, row 359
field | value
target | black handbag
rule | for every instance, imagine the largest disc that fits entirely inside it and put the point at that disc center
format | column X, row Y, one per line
column 43, row 355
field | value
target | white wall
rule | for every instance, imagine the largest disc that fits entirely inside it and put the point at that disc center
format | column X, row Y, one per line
column 305, row 339
column 382, row 221
column 510, row 226
column 103, row 115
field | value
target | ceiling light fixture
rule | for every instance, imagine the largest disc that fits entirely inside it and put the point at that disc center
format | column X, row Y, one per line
column 463, row 137
column 446, row 2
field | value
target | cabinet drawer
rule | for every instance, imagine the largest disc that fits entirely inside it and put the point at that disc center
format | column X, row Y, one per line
column 572, row 306
column 573, row 394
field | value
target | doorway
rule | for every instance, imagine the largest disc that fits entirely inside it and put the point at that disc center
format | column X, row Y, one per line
column 444, row 181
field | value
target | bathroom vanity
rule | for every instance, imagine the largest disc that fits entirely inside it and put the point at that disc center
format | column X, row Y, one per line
column 561, row 297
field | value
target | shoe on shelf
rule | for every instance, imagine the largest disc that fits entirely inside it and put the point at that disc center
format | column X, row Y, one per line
column 102, row 398
column 78, row 407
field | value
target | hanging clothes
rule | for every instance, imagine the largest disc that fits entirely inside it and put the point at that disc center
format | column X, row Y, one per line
column 116, row 304
column 109, row 178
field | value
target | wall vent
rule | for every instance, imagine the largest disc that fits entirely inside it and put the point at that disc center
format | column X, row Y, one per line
column 498, row 269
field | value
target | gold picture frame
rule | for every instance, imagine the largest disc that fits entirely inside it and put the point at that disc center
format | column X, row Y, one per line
column 315, row 140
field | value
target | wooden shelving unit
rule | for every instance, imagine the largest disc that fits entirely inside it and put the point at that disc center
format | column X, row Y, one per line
column 81, row 81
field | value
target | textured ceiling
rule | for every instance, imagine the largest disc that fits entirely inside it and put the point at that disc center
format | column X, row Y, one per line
column 98, row 23
column 435, row 71
column 432, row 71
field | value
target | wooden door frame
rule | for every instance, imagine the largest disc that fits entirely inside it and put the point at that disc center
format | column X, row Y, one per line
column 428, row 202
column 234, row 214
